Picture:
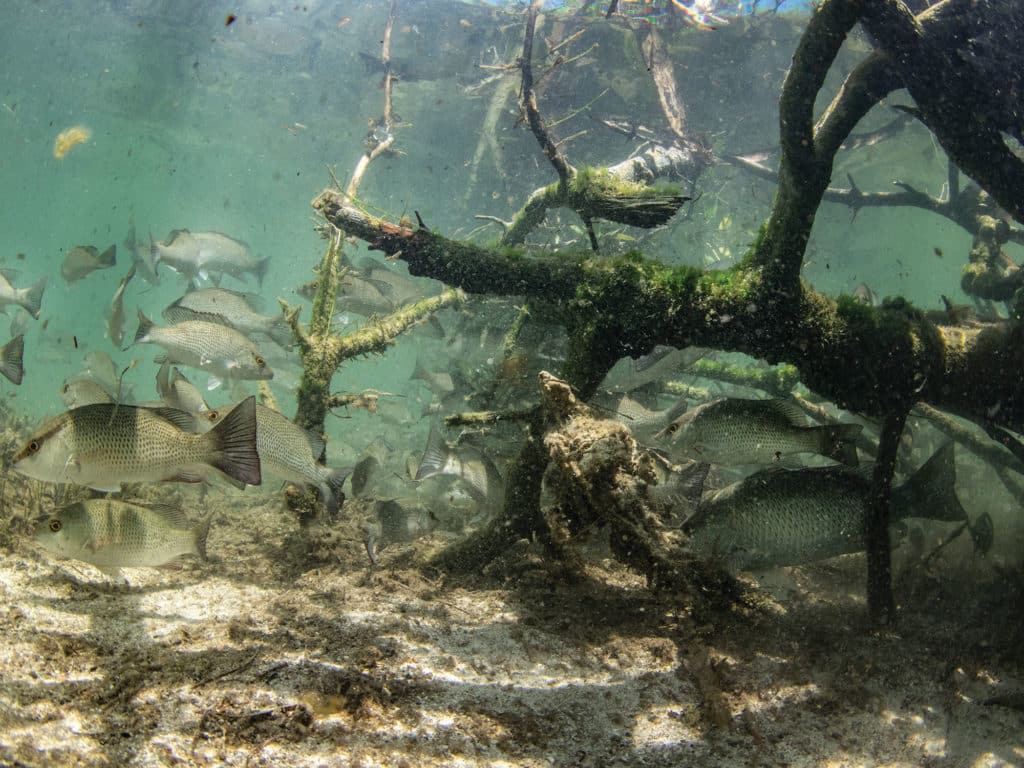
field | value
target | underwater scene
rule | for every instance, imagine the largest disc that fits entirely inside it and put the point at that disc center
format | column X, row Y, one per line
column 552, row 383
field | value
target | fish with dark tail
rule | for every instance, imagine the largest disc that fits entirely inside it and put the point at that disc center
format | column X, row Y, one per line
column 780, row 517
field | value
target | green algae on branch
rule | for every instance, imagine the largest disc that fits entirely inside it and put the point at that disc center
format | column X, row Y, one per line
column 598, row 193
column 867, row 359
column 778, row 381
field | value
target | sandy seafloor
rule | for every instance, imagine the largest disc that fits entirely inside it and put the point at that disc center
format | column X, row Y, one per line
column 275, row 654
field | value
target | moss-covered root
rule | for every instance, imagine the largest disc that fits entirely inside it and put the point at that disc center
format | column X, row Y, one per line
column 601, row 476
column 323, row 353
column 991, row 274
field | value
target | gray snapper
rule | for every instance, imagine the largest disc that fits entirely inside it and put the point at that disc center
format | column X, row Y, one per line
column 112, row 534
column 106, row 444
column 141, row 256
column 292, row 453
column 477, row 472
column 736, row 431
column 207, row 255
column 780, row 517
column 178, row 392
column 643, row 422
column 231, row 308
column 30, row 298
column 289, row 452
column 79, row 390
column 82, row 260
column 398, row 521
column 222, row 352
column 115, row 328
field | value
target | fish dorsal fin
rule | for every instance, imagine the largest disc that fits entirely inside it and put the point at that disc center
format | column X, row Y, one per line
column 183, row 420
column 789, row 410
column 174, row 234
column 10, row 275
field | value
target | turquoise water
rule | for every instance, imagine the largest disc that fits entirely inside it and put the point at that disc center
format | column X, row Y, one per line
column 204, row 125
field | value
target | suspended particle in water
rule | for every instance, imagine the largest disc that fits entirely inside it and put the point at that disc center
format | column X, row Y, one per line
column 230, row 20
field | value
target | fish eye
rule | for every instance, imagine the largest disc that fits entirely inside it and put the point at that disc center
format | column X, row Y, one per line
column 212, row 415
column 260, row 362
column 673, row 428
column 33, row 446
column 55, row 525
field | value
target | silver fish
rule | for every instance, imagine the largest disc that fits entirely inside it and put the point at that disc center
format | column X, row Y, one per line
column 11, row 355
column 438, row 382
column 231, row 308
column 780, row 517
column 112, row 534
column 288, row 452
column 220, row 351
column 397, row 522
column 30, row 298
column 207, row 255
column 106, row 444
column 79, row 390
column 292, row 453
column 178, row 392
column 644, row 422
column 737, row 431
column 369, row 467
column 83, row 260
column 115, row 328
column 865, row 295
column 477, row 472
column 662, row 363
column 141, row 255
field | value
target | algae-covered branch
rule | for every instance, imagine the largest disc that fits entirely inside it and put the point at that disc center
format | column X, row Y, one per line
column 901, row 356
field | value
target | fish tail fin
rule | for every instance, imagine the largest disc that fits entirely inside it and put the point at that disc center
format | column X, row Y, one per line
column 419, row 372
column 931, row 491
column 281, row 333
column 154, row 252
column 261, row 270
column 32, row 300
column 200, row 532
column 837, row 442
column 109, row 257
column 435, row 455
column 11, row 355
column 233, row 444
column 334, row 497
column 691, row 482
column 145, row 326
column 129, row 239
column 982, row 533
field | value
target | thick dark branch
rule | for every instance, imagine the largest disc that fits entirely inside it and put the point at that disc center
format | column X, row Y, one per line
column 959, row 96
column 631, row 304
column 804, row 173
